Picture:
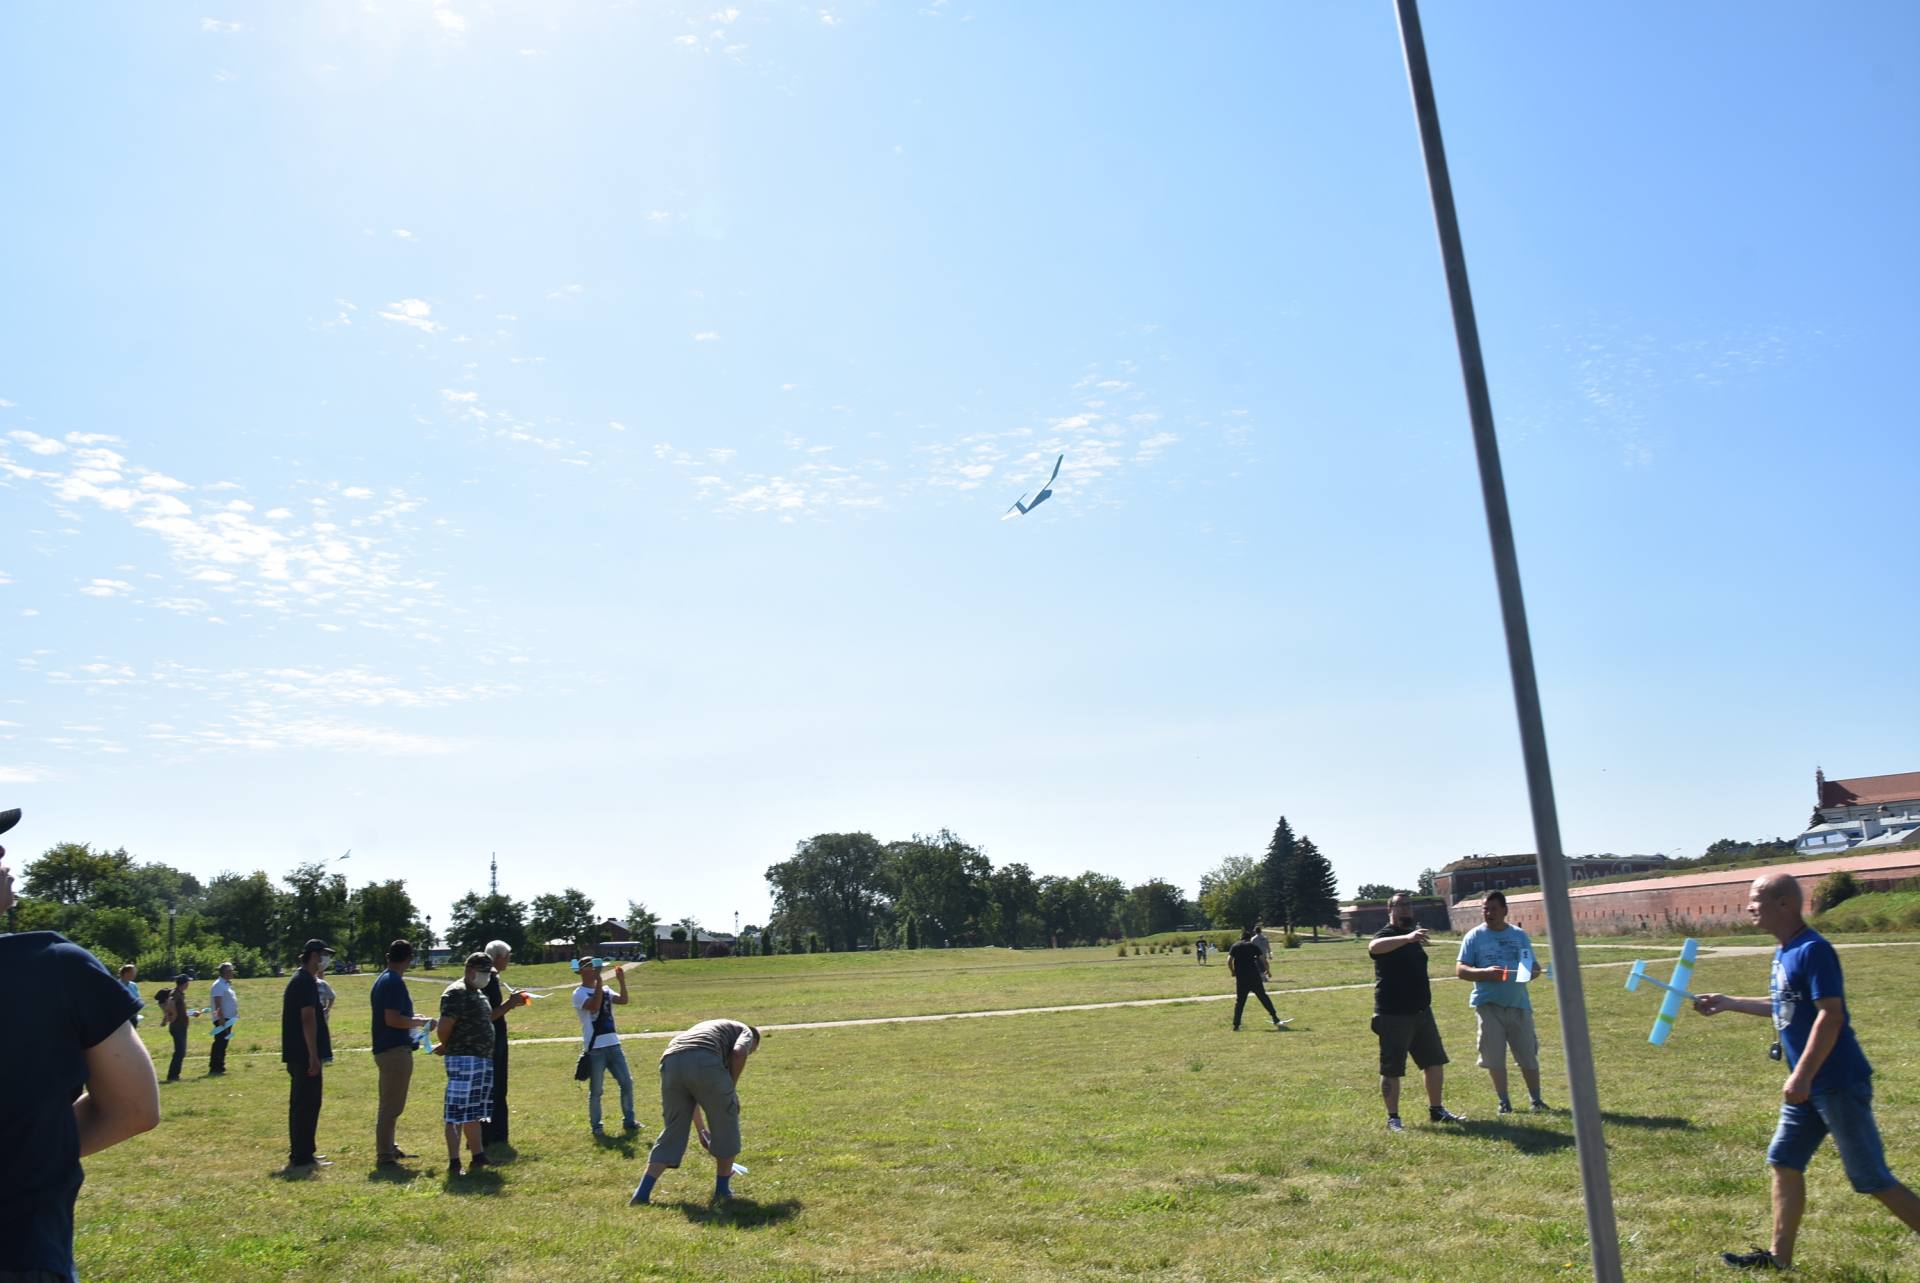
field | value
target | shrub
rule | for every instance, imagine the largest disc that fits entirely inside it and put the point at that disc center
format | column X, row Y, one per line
column 1836, row 887
column 1123, row 949
column 1185, row 949
column 1292, row 941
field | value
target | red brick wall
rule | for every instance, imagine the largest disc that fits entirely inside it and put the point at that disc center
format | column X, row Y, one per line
column 1662, row 904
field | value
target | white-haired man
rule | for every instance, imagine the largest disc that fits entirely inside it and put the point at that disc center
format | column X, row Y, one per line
column 503, row 997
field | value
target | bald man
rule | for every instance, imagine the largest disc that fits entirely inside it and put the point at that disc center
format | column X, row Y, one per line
column 1829, row 1089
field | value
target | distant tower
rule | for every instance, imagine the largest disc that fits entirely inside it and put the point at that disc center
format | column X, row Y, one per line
column 493, row 874
column 1819, row 787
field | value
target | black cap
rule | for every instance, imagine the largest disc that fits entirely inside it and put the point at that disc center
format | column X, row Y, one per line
column 9, row 818
column 315, row 946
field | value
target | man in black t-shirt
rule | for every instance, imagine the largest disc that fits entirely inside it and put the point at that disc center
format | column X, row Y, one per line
column 1245, row 964
column 68, row 1032
column 304, row 1046
column 1403, row 1011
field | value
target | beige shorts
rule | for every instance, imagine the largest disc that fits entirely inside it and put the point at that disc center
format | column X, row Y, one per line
column 1503, row 1029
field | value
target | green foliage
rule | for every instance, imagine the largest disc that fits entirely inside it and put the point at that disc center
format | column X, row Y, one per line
column 834, row 884
column 1276, row 875
column 315, row 907
column 1375, row 891
column 1425, row 884
column 478, row 919
column 1152, row 907
column 1290, row 941
column 382, row 912
column 1836, row 888
column 912, row 935
column 1313, row 890
column 1230, row 894
column 566, row 915
column 246, row 909
column 945, row 883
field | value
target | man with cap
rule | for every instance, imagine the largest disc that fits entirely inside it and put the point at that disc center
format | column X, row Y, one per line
column 226, row 1009
column 594, row 1005
column 393, row 1044
column 304, row 1046
column 74, row 1079
column 175, row 1014
column 466, row 1041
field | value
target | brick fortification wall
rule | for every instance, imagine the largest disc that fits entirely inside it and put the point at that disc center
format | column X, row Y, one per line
column 1682, row 901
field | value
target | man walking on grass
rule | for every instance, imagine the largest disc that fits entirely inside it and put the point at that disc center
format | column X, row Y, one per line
column 1403, row 1012
column 1490, row 956
column 1829, row 1090
column 1246, row 965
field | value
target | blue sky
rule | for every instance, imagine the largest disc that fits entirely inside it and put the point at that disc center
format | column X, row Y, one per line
column 580, row 431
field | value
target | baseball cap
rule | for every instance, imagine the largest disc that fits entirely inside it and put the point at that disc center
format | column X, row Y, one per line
column 316, row 945
column 9, row 818
column 480, row 960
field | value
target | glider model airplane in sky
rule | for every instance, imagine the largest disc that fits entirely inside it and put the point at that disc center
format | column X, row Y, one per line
column 1021, row 507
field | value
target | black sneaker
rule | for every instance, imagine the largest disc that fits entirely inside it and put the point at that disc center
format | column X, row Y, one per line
column 1505, row 1108
column 1758, row 1259
column 1539, row 1106
column 1441, row 1114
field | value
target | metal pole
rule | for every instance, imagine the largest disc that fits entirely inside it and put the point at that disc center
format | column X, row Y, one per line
column 1602, row 1235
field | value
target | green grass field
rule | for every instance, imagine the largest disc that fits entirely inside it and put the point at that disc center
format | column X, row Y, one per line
column 1127, row 1143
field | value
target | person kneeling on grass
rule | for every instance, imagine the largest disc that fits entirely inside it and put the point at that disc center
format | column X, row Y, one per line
column 466, row 1040
column 700, row 1070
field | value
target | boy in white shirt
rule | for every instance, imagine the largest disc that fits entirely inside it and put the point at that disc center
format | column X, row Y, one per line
column 594, row 1005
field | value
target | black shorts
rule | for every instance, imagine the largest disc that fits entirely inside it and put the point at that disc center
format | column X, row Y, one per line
column 1400, row 1034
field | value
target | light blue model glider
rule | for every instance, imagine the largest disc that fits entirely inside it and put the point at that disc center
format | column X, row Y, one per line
column 1021, row 507
column 1676, row 991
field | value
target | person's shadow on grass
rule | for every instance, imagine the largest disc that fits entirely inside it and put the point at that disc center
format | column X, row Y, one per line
column 393, row 1174
column 1647, row 1122
column 622, row 1144
column 745, row 1213
column 1528, row 1140
column 468, row 1184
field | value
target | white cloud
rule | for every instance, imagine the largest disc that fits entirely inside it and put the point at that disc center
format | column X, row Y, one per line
column 37, row 443
column 828, row 18
column 448, row 19
column 218, row 27
column 106, row 588
column 23, row 775
column 414, row 312
column 707, row 336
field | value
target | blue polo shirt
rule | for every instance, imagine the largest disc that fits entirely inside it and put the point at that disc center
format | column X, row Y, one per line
column 390, row 994
column 1805, row 970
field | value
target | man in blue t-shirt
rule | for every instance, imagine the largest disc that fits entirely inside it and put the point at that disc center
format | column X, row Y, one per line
column 74, row 1079
column 393, row 1045
column 1830, row 1088
column 1495, row 955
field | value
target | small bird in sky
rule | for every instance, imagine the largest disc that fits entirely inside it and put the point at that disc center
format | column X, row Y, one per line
column 1021, row 507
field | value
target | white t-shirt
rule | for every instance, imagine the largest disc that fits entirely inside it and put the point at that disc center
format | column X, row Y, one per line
column 225, row 1005
column 581, row 997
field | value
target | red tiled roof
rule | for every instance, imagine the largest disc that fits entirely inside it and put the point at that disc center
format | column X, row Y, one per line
column 1871, row 790
column 1857, row 864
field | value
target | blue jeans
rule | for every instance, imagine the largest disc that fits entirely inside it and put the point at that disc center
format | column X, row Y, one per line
column 600, row 1060
column 1845, row 1113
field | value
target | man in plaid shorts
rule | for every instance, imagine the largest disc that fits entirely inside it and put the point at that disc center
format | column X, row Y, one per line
column 466, row 1040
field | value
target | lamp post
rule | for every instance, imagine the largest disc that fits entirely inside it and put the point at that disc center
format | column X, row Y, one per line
column 430, row 942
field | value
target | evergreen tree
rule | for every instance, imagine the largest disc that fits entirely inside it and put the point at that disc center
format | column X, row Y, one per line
column 912, row 933
column 1314, row 891
column 1276, row 876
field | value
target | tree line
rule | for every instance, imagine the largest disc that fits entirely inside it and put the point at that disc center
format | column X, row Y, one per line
column 850, row 890
column 164, row 919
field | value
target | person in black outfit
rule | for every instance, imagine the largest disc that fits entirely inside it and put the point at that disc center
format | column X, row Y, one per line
column 1245, row 964
column 304, row 1044
column 1403, row 1012
column 503, row 999
column 74, row 1079
column 177, row 1021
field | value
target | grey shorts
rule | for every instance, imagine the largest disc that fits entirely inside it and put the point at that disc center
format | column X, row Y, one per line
column 1400, row 1034
column 689, row 1078
column 1503, row 1029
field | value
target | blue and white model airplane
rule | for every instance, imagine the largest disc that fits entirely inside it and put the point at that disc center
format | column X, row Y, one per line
column 1021, row 507
column 1676, row 991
